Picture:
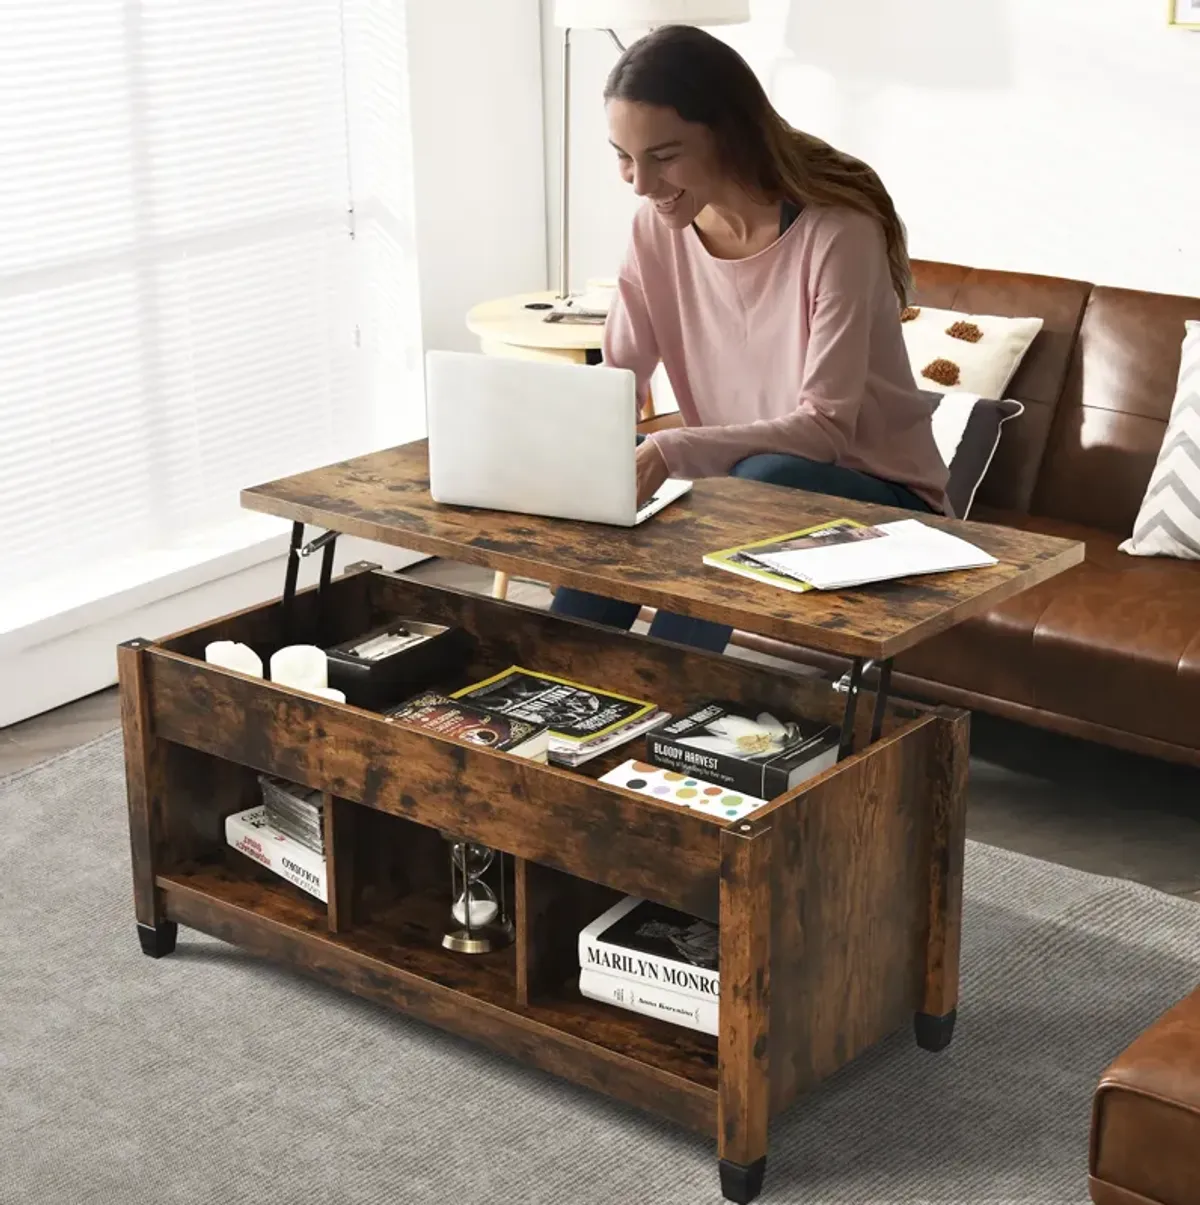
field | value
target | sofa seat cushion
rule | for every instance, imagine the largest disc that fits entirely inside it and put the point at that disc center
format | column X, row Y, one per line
column 1114, row 641
column 1146, row 1116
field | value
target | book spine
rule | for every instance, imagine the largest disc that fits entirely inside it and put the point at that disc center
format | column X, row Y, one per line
column 663, row 1004
column 278, row 853
column 721, row 771
column 677, row 977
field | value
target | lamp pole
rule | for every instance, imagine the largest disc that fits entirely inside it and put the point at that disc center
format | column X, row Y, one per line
column 564, row 274
column 564, row 251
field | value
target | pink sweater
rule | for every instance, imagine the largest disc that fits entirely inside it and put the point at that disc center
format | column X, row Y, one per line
column 797, row 349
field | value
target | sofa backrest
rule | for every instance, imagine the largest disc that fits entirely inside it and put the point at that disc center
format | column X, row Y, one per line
column 1013, row 477
column 1109, row 424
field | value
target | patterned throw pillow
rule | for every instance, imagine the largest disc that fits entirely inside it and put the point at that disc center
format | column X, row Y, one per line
column 966, row 429
column 1168, row 523
column 973, row 353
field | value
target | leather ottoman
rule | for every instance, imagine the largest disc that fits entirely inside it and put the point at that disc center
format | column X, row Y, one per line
column 1146, row 1117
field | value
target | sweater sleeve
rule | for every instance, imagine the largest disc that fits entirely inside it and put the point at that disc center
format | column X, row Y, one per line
column 629, row 340
column 843, row 292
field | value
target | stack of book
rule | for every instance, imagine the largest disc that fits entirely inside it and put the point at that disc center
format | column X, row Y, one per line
column 297, row 855
column 583, row 721
column 295, row 810
column 727, row 760
column 744, row 749
column 653, row 960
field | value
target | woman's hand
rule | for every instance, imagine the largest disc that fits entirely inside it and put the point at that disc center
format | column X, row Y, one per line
column 652, row 471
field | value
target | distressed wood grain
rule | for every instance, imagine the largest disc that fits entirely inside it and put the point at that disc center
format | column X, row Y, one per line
column 849, row 907
column 549, row 815
column 396, row 962
column 551, row 908
column 384, row 496
column 747, row 993
column 949, row 764
column 145, row 784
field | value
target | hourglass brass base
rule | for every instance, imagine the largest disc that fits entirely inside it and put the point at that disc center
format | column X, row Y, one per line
column 482, row 940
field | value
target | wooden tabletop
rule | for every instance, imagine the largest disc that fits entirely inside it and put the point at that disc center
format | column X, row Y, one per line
column 509, row 320
column 385, row 497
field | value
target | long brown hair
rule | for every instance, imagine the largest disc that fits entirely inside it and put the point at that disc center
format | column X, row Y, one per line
column 707, row 82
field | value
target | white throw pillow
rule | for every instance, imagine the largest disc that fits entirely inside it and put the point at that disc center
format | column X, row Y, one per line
column 1168, row 523
column 981, row 357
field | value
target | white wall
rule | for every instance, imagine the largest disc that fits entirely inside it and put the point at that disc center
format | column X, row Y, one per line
column 1051, row 136
column 475, row 78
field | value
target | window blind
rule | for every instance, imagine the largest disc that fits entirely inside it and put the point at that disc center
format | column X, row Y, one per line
column 197, row 293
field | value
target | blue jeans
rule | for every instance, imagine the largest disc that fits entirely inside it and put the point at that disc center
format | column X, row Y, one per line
column 798, row 472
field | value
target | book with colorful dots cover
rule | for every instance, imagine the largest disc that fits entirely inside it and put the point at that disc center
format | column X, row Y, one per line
column 685, row 790
column 744, row 748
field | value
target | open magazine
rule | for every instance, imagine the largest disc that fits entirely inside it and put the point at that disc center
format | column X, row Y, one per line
column 747, row 559
column 844, row 553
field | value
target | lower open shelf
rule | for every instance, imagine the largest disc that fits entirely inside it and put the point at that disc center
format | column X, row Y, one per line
column 396, row 958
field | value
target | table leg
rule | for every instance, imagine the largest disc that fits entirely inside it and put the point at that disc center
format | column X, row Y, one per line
column 500, row 585
column 934, row 1021
column 744, row 1085
column 145, row 788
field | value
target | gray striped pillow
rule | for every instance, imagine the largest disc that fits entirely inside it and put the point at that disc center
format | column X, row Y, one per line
column 1168, row 523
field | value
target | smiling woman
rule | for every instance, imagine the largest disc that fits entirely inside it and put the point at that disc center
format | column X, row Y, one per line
column 767, row 272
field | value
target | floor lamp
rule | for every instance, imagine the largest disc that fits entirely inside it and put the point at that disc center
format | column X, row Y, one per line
column 610, row 15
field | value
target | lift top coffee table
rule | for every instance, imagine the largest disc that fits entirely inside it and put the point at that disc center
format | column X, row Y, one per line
column 838, row 903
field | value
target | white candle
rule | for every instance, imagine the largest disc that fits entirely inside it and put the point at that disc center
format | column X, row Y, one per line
column 303, row 666
column 231, row 655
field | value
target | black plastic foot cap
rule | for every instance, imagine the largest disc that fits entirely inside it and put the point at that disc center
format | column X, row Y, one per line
column 742, row 1183
column 158, row 940
column 934, row 1033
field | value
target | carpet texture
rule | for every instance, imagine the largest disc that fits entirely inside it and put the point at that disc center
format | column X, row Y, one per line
column 214, row 1078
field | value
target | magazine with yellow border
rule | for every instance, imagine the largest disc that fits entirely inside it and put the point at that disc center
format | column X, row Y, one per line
column 573, row 711
column 741, row 558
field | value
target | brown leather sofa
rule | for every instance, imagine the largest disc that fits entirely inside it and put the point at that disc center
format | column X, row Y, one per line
column 1110, row 650
column 1145, row 1143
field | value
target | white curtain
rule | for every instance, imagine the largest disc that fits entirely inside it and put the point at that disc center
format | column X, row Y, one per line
column 207, row 274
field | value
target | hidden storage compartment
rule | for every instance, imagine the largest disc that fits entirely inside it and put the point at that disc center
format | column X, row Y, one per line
column 502, row 633
column 555, row 817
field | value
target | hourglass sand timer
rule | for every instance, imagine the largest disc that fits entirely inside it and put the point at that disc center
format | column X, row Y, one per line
column 479, row 911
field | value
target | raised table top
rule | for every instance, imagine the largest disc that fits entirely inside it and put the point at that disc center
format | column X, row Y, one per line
column 385, row 497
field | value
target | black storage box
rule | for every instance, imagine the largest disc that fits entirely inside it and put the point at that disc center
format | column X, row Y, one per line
column 374, row 678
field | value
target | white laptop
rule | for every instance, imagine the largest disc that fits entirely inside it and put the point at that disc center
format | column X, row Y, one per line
column 537, row 438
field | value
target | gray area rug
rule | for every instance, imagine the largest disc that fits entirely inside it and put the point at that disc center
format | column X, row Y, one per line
column 211, row 1077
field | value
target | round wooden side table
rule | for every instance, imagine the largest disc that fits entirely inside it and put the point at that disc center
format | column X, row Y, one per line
column 516, row 326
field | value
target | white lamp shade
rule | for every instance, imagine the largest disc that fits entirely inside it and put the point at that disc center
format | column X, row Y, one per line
column 626, row 14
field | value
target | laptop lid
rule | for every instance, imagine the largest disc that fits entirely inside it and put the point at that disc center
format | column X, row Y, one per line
column 532, row 436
